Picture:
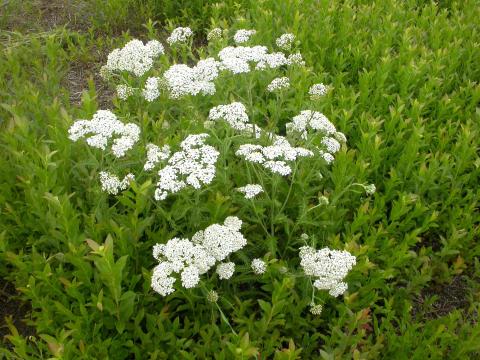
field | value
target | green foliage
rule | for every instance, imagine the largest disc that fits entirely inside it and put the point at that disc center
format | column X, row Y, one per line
column 405, row 81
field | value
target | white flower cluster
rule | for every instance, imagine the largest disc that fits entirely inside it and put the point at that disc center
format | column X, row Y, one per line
column 179, row 35
column 250, row 190
column 259, row 266
column 235, row 114
column 151, row 90
column 183, row 80
column 194, row 165
column 316, row 91
column 285, row 41
column 112, row 184
column 273, row 157
column 243, row 35
column 103, row 126
column 315, row 120
column 329, row 267
column 192, row 258
column 225, row 270
column 134, row 57
column 279, row 84
column 155, row 154
column 316, row 309
column 214, row 34
column 124, row 92
column 237, row 59
column 295, row 59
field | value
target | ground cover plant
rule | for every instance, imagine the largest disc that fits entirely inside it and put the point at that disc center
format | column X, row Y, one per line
column 194, row 194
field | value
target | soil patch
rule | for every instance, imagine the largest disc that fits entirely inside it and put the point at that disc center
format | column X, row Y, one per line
column 10, row 305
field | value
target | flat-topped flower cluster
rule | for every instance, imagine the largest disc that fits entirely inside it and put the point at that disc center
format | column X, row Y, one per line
column 328, row 267
column 195, row 257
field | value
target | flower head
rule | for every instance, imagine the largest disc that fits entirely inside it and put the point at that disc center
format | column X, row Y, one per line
column 259, row 266
column 179, row 35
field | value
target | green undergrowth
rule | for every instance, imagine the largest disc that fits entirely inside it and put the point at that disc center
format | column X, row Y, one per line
column 405, row 91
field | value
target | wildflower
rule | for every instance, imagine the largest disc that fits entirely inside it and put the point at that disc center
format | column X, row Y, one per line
column 250, row 190
column 329, row 267
column 155, row 154
column 304, row 237
column 162, row 282
column 190, row 277
column 112, row 184
column 103, row 126
column 295, row 59
column 134, row 57
column 340, row 137
column 124, row 92
column 279, row 84
column 243, row 35
column 259, row 266
column 316, row 91
column 192, row 258
column 212, row 296
column 316, row 309
column 370, row 189
column 151, row 90
column 214, row 34
column 105, row 73
column 194, row 165
column 225, row 270
column 179, row 35
column 275, row 156
column 237, row 59
column 183, row 80
column 331, row 144
column 323, row 200
column 285, row 41
column 308, row 119
column 235, row 114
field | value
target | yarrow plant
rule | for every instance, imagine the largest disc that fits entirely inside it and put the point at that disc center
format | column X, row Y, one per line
column 195, row 257
column 259, row 159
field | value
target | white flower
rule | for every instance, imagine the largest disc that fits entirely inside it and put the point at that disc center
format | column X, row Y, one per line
column 316, row 91
column 235, row 114
column 212, row 296
column 134, row 57
column 327, row 157
column 308, row 119
column 225, row 270
column 237, row 59
column 338, row 289
column 103, row 126
column 279, row 84
column 243, row 35
column 370, row 189
column 179, row 35
column 295, row 59
column 316, row 309
column 233, row 223
column 275, row 156
column 151, row 90
column 112, row 184
column 214, row 34
column 331, row 144
column 194, row 165
column 162, row 282
column 285, row 41
column 190, row 277
column 193, row 258
column 155, row 155
column 222, row 240
column 124, row 91
column 259, row 266
column 340, row 137
column 183, row 80
column 250, row 190
column 329, row 267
